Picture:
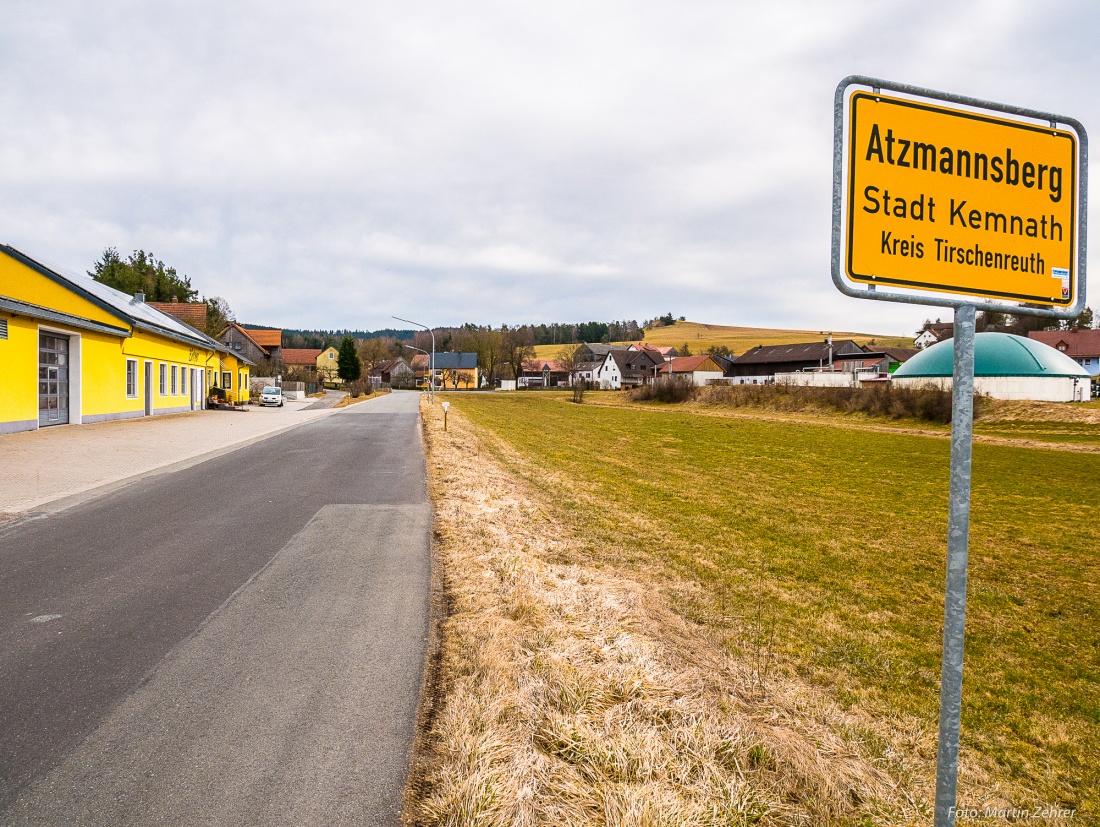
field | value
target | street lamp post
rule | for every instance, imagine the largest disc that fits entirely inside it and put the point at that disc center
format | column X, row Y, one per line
column 431, row 359
column 410, row 347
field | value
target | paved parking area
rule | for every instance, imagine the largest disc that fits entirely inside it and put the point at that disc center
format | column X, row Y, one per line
column 62, row 462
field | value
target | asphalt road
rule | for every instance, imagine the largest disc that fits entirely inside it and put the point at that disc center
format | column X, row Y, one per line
column 240, row 642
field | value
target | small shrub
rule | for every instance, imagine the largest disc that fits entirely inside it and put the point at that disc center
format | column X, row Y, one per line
column 885, row 400
column 665, row 390
column 360, row 387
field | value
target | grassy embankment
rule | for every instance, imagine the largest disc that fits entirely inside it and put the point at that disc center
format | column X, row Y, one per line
column 835, row 536
column 699, row 337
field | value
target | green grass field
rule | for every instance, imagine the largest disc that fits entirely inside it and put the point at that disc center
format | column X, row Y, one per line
column 839, row 535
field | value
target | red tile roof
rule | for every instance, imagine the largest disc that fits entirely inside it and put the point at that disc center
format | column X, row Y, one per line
column 192, row 313
column 301, row 356
column 663, row 350
column 266, row 338
column 1078, row 343
column 539, row 365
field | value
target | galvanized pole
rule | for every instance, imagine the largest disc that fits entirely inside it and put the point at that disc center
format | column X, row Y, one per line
column 431, row 361
column 958, row 540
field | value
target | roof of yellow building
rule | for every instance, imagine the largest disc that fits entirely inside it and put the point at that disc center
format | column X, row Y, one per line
column 301, row 355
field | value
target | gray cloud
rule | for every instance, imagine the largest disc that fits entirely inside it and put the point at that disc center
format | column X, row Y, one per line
column 332, row 164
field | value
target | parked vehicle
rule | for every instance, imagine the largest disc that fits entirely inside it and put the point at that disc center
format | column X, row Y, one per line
column 271, row 396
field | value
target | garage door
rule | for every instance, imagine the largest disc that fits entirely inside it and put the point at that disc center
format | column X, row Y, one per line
column 53, row 379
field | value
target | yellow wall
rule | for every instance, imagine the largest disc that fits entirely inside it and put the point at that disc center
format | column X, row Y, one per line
column 328, row 367
column 239, row 380
column 19, row 369
column 97, row 381
column 446, row 377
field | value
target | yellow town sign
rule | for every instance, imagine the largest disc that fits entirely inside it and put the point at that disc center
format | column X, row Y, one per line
column 960, row 201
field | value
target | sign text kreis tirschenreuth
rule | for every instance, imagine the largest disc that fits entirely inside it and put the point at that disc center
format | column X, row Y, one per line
column 958, row 201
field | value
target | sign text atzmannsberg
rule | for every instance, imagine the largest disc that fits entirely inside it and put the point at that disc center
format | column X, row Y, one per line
column 958, row 201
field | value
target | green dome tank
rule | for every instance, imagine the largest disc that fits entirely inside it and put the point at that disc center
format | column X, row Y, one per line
column 995, row 354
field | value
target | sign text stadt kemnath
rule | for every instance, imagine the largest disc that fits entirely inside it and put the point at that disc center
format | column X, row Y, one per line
column 958, row 201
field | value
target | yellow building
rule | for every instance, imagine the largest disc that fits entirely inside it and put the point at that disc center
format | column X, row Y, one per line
column 327, row 365
column 75, row 351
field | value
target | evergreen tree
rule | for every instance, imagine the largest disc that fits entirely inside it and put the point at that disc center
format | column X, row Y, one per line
column 142, row 273
column 348, row 366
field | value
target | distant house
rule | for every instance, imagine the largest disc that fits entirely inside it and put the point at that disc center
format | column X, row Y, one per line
column 300, row 358
column 759, row 365
column 194, row 314
column 881, row 361
column 1082, row 346
column 627, row 369
column 698, row 370
column 543, row 373
column 456, row 370
column 587, row 372
column 938, row 332
column 397, row 373
column 241, row 340
column 326, row 364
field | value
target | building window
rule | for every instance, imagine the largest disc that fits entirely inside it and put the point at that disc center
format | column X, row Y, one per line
column 227, row 380
column 236, row 345
column 3, row 328
column 163, row 379
column 183, row 381
column 131, row 378
column 175, row 379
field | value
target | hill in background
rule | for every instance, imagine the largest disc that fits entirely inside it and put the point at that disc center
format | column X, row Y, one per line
column 699, row 337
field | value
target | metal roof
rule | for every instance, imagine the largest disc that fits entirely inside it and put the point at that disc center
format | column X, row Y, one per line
column 124, row 306
column 801, row 352
column 455, row 361
column 995, row 354
column 34, row 311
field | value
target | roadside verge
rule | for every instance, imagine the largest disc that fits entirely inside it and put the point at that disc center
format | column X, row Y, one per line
column 567, row 692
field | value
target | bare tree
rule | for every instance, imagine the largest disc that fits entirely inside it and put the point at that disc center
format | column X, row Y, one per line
column 518, row 348
column 372, row 353
column 567, row 361
column 488, row 344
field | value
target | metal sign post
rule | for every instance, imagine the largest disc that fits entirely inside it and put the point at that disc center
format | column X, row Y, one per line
column 956, row 202
column 958, row 550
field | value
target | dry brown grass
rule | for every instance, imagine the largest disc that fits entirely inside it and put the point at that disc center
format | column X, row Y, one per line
column 571, row 694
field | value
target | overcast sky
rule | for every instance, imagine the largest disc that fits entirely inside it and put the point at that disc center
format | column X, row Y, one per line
column 330, row 164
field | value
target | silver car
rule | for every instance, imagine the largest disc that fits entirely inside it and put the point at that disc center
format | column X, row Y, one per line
column 271, row 396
